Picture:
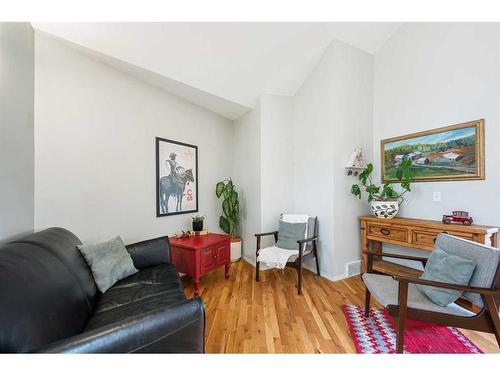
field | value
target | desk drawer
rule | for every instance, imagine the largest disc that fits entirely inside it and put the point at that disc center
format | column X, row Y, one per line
column 399, row 234
column 427, row 238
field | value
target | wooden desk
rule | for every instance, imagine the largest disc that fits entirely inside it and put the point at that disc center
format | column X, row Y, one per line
column 197, row 255
column 414, row 233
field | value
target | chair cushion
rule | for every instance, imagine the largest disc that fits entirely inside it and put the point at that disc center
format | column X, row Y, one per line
column 142, row 292
column 385, row 290
column 109, row 261
column 289, row 234
column 486, row 259
column 446, row 268
column 308, row 250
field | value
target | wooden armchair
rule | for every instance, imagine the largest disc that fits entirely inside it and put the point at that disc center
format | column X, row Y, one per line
column 308, row 248
column 403, row 300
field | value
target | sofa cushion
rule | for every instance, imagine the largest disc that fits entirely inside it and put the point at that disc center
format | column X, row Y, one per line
column 41, row 300
column 110, row 262
column 62, row 244
column 142, row 292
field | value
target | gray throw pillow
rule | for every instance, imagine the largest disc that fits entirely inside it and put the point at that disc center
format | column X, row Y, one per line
column 446, row 268
column 109, row 262
column 289, row 234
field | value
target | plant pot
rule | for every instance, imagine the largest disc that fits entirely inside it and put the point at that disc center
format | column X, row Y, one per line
column 385, row 209
column 197, row 226
column 235, row 249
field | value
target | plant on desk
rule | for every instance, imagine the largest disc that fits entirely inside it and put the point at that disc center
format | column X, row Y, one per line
column 230, row 212
column 384, row 199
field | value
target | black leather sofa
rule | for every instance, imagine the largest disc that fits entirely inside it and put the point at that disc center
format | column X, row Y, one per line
column 49, row 301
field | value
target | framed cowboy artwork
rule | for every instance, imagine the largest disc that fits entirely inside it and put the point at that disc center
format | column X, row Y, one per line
column 445, row 154
column 176, row 177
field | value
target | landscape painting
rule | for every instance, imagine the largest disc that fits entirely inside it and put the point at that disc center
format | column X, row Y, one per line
column 450, row 153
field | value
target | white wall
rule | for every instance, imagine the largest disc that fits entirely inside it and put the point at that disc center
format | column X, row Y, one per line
column 16, row 130
column 332, row 115
column 95, row 131
column 431, row 75
column 304, row 143
column 276, row 156
column 246, row 175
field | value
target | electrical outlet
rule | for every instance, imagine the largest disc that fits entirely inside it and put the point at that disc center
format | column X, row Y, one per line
column 436, row 196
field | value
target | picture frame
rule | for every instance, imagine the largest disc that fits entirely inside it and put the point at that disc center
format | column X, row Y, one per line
column 176, row 177
column 450, row 153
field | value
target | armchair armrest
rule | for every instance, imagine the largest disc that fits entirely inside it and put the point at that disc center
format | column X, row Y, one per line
column 275, row 233
column 177, row 328
column 437, row 284
column 305, row 240
column 399, row 256
column 259, row 235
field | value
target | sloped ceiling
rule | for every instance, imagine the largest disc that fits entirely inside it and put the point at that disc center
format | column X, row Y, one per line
column 223, row 67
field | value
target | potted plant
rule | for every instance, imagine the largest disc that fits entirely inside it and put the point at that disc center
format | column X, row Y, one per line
column 384, row 199
column 229, row 217
column 198, row 223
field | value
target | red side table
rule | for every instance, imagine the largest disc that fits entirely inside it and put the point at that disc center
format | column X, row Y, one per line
column 198, row 255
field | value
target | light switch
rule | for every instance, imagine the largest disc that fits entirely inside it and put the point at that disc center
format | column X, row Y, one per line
column 436, row 196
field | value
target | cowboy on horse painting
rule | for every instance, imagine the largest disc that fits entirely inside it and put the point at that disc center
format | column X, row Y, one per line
column 174, row 178
column 176, row 171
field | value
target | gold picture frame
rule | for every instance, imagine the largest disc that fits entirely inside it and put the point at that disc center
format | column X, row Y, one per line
column 450, row 153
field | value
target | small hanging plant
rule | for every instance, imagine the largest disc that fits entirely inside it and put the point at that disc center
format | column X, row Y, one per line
column 384, row 192
column 230, row 206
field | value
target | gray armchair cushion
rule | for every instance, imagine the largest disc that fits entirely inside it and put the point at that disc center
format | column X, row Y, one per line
column 486, row 259
column 445, row 268
column 385, row 290
column 289, row 234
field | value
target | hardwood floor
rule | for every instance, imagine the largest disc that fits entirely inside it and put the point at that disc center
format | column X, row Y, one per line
column 244, row 316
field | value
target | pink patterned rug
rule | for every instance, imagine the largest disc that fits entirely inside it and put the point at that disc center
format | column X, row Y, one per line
column 377, row 335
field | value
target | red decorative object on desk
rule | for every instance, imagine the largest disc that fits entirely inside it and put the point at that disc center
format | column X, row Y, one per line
column 458, row 217
column 198, row 255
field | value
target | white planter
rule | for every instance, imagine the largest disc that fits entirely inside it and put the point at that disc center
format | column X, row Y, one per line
column 385, row 209
column 235, row 249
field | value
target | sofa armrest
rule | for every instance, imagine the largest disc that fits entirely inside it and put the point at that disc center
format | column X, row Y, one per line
column 178, row 328
column 150, row 252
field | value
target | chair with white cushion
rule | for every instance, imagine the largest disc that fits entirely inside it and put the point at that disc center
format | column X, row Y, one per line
column 400, row 296
column 307, row 247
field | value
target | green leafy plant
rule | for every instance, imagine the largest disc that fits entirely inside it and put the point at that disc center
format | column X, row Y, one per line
column 384, row 192
column 230, row 206
column 198, row 218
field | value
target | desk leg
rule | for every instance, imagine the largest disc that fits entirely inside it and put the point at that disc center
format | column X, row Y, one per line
column 227, row 266
column 365, row 244
column 196, row 283
column 376, row 248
